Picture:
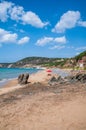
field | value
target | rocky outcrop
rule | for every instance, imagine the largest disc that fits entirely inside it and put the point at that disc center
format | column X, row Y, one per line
column 23, row 78
column 55, row 80
column 79, row 77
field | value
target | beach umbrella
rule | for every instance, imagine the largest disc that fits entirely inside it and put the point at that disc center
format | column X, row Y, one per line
column 49, row 70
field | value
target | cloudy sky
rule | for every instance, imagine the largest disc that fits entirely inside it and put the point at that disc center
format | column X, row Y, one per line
column 47, row 28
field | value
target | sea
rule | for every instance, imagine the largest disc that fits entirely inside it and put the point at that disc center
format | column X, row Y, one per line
column 7, row 74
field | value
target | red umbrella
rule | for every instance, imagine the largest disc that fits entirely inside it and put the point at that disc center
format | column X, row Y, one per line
column 49, row 70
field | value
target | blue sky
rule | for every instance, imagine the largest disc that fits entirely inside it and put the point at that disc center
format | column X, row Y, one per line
column 47, row 28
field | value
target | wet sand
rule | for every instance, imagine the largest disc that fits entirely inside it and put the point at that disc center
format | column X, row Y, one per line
column 40, row 106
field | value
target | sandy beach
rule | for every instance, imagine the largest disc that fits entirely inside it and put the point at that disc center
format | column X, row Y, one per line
column 40, row 76
column 41, row 106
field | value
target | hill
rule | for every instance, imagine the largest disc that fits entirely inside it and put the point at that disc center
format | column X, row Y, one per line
column 80, row 56
column 36, row 61
column 46, row 62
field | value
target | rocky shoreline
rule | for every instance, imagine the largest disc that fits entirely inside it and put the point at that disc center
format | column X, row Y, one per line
column 79, row 77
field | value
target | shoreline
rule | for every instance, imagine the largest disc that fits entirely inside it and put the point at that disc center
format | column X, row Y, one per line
column 5, row 81
column 38, row 77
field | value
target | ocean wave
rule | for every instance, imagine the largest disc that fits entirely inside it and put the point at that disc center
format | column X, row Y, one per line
column 5, row 81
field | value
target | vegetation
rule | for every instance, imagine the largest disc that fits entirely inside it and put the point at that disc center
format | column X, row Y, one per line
column 79, row 57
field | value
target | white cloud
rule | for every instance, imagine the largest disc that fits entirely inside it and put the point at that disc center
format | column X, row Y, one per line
column 60, row 39
column 46, row 40
column 81, row 48
column 82, row 23
column 17, row 13
column 33, row 19
column 67, row 21
column 8, row 37
column 4, row 7
column 57, row 47
column 23, row 40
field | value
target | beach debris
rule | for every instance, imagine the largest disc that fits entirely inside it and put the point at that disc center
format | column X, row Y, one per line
column 23, row 78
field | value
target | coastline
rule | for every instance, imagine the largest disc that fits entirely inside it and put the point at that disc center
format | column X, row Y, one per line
column 10, row 85
column 8, row 74
column 39, row 77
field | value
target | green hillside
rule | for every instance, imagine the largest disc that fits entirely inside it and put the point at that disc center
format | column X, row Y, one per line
column 80, row 56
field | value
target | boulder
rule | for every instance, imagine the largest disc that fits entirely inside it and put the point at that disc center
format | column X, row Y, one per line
column 60, row 79
column 20, row 78
column 53, row 79
column 23, row 78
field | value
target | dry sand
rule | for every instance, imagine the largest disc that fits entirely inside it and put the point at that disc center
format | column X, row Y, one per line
column 39, row 106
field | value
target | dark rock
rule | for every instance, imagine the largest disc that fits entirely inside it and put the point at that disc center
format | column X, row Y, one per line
column 56, row 80
column 23, row 78
column 20, row 78
column 53, row 79
column 59, row 79
column 80, row 77
column 26, row 76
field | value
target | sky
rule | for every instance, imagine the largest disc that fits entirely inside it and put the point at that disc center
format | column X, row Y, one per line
column 44, row 28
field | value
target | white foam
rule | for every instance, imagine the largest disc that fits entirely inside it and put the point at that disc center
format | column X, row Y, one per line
column 4, row 81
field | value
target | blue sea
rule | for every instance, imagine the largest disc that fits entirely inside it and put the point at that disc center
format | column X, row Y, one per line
column 11, row 73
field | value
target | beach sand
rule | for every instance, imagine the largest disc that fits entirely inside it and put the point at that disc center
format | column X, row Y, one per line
column 40, row 76
column 40, row 106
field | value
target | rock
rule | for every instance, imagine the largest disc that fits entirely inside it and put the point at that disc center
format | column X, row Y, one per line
column 83, row 79
column 23, row 78
column 59, row 79
column 53, row 79
column 26, row 76
column 80, row 77
column 20, row 78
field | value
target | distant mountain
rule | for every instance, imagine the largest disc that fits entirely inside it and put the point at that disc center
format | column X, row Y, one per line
column 46, row 62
